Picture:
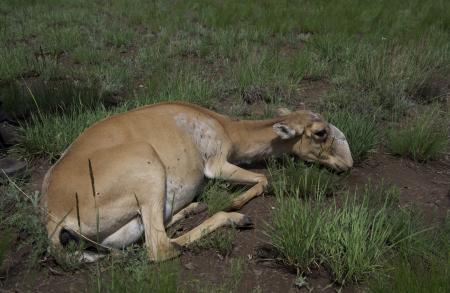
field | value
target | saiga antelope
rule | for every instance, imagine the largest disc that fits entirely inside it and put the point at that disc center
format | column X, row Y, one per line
column 150, row 162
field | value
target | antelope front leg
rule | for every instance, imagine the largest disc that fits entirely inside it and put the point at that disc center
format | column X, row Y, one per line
column 227, row 171
column 193, row 208
column 220, row 219
column 235, row 174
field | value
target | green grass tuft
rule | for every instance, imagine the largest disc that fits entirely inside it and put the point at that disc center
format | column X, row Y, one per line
column 217, row 197
column 293, row 178
column 230, row 282
column 360, row 131
column 50, row 135
column 18, row 213
column 5, row 243
column 353, row 239
column 134, row 273
column 68, row 258
column 420, row 272
column 421, row 139
column 417, row 277
column 221, row 241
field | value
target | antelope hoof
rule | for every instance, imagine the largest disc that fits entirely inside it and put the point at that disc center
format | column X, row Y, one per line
column 168, row 252
column 244, row 223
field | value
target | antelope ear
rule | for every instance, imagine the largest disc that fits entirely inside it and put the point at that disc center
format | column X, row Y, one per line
column 283, row 130
column 283, row 111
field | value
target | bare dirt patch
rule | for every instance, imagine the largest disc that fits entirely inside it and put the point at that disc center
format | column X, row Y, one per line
column 425, row 185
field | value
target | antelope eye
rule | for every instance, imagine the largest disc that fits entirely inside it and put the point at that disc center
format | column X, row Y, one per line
column 321, row 133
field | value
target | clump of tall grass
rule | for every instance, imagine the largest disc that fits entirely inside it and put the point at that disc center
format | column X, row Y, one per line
column 18, row 213
column 69, row 257
column 421, row 139
column 289, row 177
column 360, row 131
column 134, row 273
column 217, row 196
column 406, row 277
column 5, row 243
column 50, row 135
column 221, row 241
column 353, row 239
column 420, row 272
column 356, row 238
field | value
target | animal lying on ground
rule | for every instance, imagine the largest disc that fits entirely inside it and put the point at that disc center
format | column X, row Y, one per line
column 146, row 166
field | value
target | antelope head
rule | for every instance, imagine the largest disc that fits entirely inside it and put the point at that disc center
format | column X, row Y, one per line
column 314, row 139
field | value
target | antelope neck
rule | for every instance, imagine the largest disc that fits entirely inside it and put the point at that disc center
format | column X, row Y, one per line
column 255, row 140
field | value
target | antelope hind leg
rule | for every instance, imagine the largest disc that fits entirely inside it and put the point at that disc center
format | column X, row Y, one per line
column 151, row 196
column 143, row 177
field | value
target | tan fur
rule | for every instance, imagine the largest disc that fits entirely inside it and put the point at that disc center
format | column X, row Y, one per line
column 149, row 163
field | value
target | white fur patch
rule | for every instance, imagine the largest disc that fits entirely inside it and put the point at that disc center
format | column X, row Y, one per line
column 203, row 132
column 89, row 256
column 126, row 235
column 178, row 195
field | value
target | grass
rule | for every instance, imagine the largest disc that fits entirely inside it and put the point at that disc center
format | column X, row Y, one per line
column 217, row 197
column 373, row 56
column 421, row 139
column 290, row 177
column 360, row 131
column 133, row 273
column 5, row 244
column 373, row 51
column 49, row 135
column 356, row 239
column 68, row 257
column 416, row 277
column 86, row 60
column 353, row 238
column 221, row 241
column 228, row 284
column 421, row 272
column 20, row 214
